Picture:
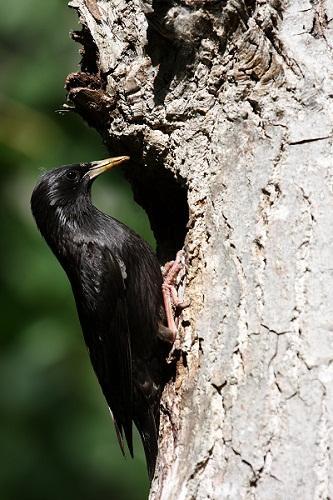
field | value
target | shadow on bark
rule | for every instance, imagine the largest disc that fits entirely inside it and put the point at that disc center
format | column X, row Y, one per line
column 164, row 198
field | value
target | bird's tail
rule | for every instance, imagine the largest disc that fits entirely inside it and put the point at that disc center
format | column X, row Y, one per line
column 147, row 423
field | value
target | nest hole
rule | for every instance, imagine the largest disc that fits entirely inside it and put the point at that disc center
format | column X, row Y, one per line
column 164, row 198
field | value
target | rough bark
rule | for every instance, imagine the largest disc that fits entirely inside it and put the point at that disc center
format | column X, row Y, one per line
column 225, row 108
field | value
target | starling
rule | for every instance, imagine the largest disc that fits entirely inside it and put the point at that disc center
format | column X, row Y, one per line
column 117, row 285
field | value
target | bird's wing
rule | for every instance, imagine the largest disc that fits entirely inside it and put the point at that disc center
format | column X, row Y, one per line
column 106, row 331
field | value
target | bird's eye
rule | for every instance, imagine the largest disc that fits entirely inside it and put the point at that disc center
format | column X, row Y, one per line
column 71, row 174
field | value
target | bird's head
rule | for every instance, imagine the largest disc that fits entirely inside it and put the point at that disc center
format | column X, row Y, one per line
column 67, row 188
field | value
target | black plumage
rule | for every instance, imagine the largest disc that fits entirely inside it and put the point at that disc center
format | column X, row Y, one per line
column 116, row 281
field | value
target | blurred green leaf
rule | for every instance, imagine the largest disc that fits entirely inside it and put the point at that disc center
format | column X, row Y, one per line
column 56, row 434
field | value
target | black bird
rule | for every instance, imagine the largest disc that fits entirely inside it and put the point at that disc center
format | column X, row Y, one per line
column 117, row 285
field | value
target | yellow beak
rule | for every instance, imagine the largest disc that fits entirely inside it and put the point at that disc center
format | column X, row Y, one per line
column 98, row 167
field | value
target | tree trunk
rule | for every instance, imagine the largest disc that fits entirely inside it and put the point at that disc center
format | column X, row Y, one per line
column 225, row 107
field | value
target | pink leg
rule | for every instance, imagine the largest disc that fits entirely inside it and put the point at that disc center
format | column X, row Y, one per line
column 167, row 266
column 170, row 296
column 168, row 311
column 172, row 268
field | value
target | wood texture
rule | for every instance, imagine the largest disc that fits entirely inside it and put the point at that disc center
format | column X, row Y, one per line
column 235, row 99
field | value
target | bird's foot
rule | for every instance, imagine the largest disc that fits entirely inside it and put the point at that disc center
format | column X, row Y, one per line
column 172, row 303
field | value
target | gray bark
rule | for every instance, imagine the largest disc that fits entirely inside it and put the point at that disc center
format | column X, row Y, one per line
column 235, row 98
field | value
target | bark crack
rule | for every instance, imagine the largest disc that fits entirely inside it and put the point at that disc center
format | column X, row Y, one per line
column 270, row 196
column 200, row 466
column 312, row 139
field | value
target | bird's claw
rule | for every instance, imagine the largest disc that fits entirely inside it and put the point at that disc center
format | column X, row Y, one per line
column 170, row 296
column 171, row 269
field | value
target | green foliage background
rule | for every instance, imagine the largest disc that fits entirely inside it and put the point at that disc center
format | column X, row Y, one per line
column 57, row 438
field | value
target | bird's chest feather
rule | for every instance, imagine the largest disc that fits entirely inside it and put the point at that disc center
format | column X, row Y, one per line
column 90, row 278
